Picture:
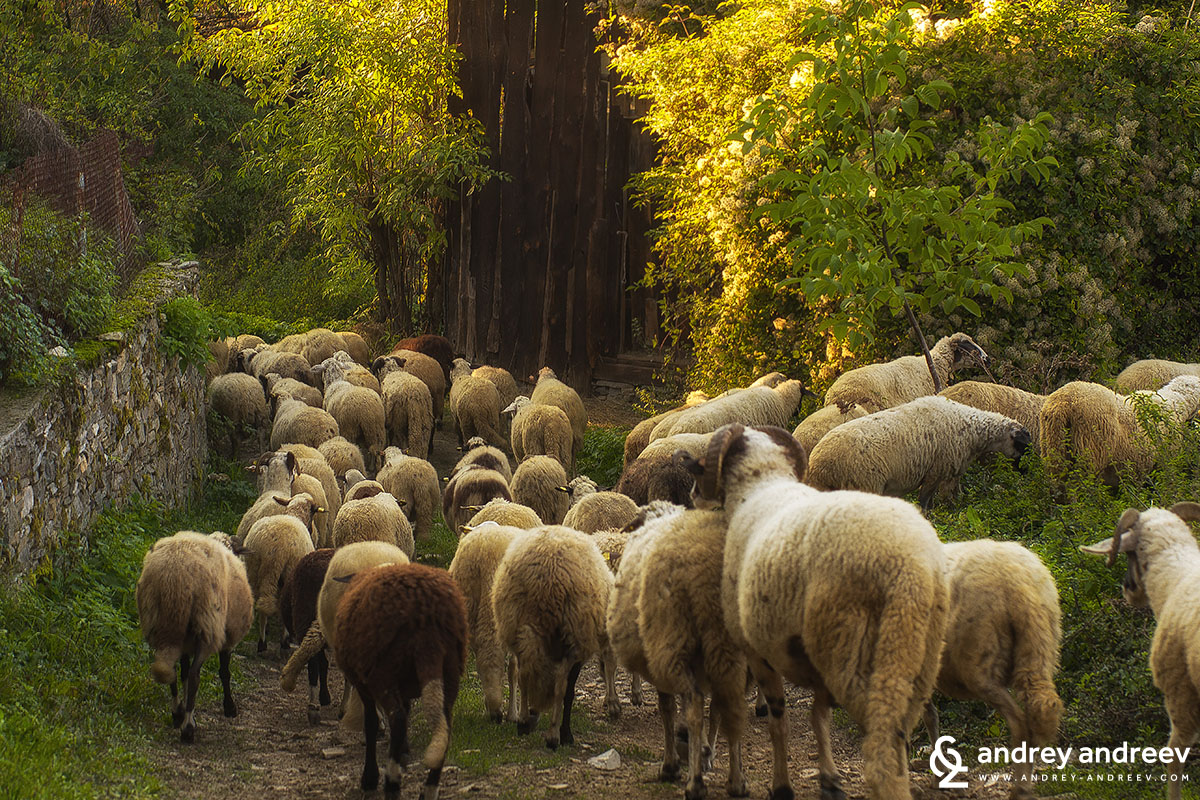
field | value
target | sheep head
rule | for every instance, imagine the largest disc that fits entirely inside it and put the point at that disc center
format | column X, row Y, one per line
column 1125, row 540
column 516, row 405
column 386, row 365
column 967, row 352
column 775, row 451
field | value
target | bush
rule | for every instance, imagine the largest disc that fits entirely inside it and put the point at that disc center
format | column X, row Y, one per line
column 185, row 330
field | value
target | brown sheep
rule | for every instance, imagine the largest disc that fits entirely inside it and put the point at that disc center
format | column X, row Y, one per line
column 298, row 607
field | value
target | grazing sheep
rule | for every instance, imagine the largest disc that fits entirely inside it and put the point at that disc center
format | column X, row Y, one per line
column 601, row 511
column 1004, row 631
column 1094, row 424
column 925, row 444
column 814, row 427
column 761, row 405
column 273, row 384
column 694, row 444
column 414, row 483
column 358, row 375
column 219, row 364
column 540, row 483
column 1025, row 407
column 402, row 635
column 659, row 478
column 477, row 451
column 193, row 600
column 358, row 411
column 299, row 423
column 431, row 374
column 355, row 346
column 368, row 514
column 549, row 599
column 474, row 406
column 550, row 391
column 407, row 406
column 472, row 485
column 1151, row 374
column 506, row 384
column 1164, row 573
column 436, row 348
column 843, row 592
column 298, row 609
column 541, row 430
column 342, row 456
column 665, row 623
column 639, row 437
column 473, row 569
column 264, row 360
column 502, row 512
column 879, row 386
column 239, row 398
column 310, row 462
column 271, row 550
column 321, row 344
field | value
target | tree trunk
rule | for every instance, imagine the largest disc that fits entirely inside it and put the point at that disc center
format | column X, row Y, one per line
column 387, row 252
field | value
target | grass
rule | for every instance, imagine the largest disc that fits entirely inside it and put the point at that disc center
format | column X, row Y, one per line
column 602, row 454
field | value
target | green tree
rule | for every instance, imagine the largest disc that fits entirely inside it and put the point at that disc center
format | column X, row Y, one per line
column 354, row 119
column 875, row 221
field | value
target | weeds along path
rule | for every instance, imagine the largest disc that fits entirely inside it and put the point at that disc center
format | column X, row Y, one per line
column 270, row 749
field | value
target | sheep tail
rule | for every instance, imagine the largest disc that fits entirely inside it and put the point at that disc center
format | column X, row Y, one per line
column 489, row 433
column 267, row 604
column 312, row 643
column 906, row 655
column 433, row 703
column 163, row 668
column 1035, row 658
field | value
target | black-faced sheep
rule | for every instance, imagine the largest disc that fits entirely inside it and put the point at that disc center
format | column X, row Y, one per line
column 239, row 398
column 1004, row 632
column 407, row 407
column 665, row 623
column 472, row 485
column 549, row 598
column 474, row 569
column 879, row 386
column 843, row 592
column 760, row 405
column 193, row 600
column 1094, row 424
column 402, row 635
column 474, row 406
column 550, row 391
column 1151, row 374
column 414, row 483
column 541, row 430
column 540, row 483
column 358, row 411
column 298, row 609
column 601, row 511
column 1164, row 567
column 925, row 444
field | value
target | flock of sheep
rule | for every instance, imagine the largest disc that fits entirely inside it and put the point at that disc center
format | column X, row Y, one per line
column 730, row 553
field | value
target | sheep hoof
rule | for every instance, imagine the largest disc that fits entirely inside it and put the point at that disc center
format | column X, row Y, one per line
column 391, row 788
column 567, row 737
column 782, row 793
column 325, row 698
column 188, row 734
column 369, row 783
column 314, row 715
column 696, row 790
column 497, row 717
column 262, row 646
column 635, row 699
column 613, row 709
column 760, row 711
column 176, row 719
column 230, row 708
column 831, row 789
column 706, row 759
column 552, row 742
column 669, row 773
column 737, row 789
column 524, row 728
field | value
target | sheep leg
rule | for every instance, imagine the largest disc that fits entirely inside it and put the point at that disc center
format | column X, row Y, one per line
column 760, row 702
column 828, row 776
column 188, row 732
column 323, row 673
column 176, row 703
column 526, row 721
column 731, row 705
column 512, row 689
column 262, row 633
column 314, row 679
column 489, row 665
column 635, row 689
column 771, row 683
column 370, row 773
column 398, row 751
column 230, row 707
column 564, row 698
column 670, row 766
column 612, row 702
column 693, row 703
column 932, row 726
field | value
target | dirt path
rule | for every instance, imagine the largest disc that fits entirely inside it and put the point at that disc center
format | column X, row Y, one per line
column 270, row 749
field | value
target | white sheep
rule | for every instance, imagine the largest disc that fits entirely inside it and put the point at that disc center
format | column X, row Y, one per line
column 407, row 405
column 193, row 600
column 239, row 398
column 356, row 346
column 265, row 359
column 1094, row 424
column 502, row 512
column 505, row 383
column 1164, row 573
column 879, row 386
column 472, row 485
column 274, row 384
column 1004, row 632
column 1025, row 407
column 665, row 623
column 474, row 406
column 474, row 569
column 540, row 483
column 368, row 514
column 814, row 427
column 271, row 549
column 541, row 430
column 414, row 483
column 843, row 592
column 275, row 474
column 310, row 461
column 1151, row 374
column 342, row 456
column 550, row 391
column 358, row 410
column 549, row 598
column 639, row 437
column 760, row 405
column 431, row 374
column 298, row 422
column 601, row 511
column 925, row 444
column 694, row 444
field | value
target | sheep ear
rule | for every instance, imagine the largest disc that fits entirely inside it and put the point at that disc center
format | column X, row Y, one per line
column 564, row 489
column 807, row 392
column 378, row 363
column 344, row 578
column 465, row 529
column 293, row 465
column 1119, row 543
column 278, row 498
column 1187, row 511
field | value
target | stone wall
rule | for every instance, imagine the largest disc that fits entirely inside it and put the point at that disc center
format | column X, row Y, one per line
column 131, row 424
